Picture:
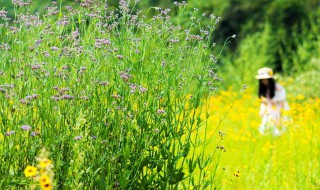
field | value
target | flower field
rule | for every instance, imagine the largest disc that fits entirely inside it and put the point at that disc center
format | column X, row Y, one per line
column 254, row 161
column 101, row 98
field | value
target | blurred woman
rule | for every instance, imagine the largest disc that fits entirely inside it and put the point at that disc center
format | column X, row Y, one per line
column 273, row 102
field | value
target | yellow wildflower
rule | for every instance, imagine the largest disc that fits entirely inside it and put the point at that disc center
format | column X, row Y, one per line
column 45, row 182
column 30, row 171
column 45, row 162
column 46, row 186
column 44, row 179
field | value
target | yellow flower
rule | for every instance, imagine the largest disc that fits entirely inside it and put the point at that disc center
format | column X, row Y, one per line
column 30, row 171
column 45, row 162
column 46, row 186
column 44, row 179
column 300, row 97
column 45, row 182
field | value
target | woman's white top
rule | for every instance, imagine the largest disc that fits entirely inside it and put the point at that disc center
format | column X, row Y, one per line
column 271, row 109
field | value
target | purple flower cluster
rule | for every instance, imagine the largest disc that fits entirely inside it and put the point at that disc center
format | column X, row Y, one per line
column 26, row 127
column 77, row 138
column 9, row 133
column 61, row 95
column 34, row 133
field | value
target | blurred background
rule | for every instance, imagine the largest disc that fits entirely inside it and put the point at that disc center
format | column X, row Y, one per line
column 281, row 34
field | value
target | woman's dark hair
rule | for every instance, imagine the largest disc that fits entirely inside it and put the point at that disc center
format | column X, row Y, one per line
column 263, row 88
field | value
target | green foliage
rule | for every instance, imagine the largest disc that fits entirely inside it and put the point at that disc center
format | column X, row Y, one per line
column 113, row 96
column 289, row 44
column 254, row 52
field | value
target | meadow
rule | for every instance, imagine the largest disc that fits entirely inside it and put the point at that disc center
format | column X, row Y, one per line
column 100, row 98
column 255, row 161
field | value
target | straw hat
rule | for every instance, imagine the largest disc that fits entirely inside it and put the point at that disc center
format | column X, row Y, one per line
column 265, row 73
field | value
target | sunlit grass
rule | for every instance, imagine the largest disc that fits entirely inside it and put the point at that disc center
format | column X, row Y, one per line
column 253, row 161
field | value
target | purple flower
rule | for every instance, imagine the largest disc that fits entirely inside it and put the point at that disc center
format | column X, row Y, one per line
column 77, row 138
column 3, row 14
column 54, row 48
column 116, row 96
column 23, row 101
column 160, row 111
column 9, row 133
column 174, row 40
column 36, row 66
column 56, row 98
column 28, row 97
column 120, row 56
column 26, row 127
column 76, row 33
column 125, row 76
column 9, row 85
column 67, row 97
column 34, row 133
column 104, row 83
column 142, row 89
column 133, row 87
column 84, row 97
column 2, row 90
column 34, row 96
